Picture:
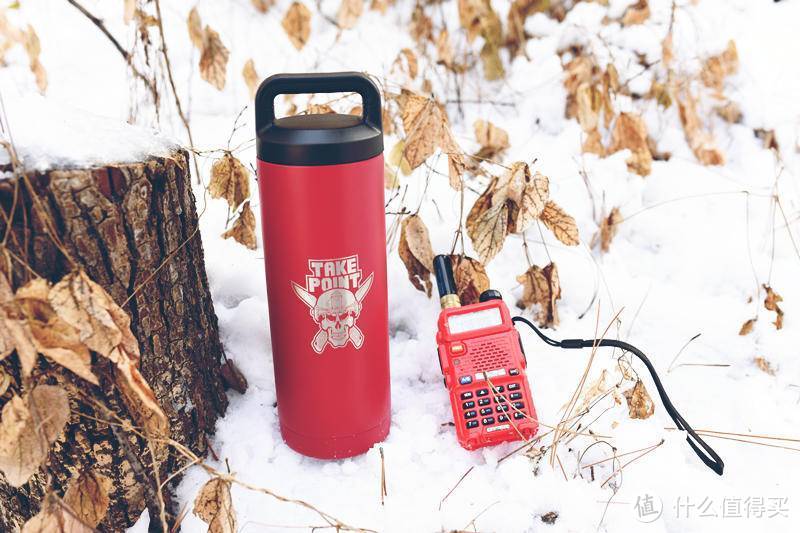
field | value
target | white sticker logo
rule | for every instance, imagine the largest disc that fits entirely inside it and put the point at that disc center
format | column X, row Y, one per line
column 338, row 282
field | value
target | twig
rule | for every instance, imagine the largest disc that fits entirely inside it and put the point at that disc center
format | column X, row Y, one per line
column 124, row 53
column 171, row 79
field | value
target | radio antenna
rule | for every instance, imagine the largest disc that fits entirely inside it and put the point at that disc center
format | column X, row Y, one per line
column 446, row 283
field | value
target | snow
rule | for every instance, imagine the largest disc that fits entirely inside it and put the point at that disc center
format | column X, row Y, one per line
column 696, row 245
column 48, row 134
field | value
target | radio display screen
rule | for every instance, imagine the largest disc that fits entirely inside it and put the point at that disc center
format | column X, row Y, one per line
column 485, row 318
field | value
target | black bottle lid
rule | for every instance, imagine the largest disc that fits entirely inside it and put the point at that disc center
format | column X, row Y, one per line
column 310, row 140
column 490, row 294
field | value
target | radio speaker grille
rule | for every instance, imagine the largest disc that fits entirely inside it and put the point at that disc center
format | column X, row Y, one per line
column 490, row 354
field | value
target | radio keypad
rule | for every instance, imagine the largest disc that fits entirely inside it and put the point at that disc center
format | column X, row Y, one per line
column 497, row 402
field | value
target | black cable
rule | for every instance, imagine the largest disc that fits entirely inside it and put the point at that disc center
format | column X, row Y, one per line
column 703, row 450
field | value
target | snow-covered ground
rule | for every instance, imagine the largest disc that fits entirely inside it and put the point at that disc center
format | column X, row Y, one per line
column 696, row 245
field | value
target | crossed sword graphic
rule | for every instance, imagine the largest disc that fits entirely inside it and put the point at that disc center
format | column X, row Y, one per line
column 321, row 338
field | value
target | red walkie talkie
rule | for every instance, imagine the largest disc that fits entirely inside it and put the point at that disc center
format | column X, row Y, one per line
column 483, row 363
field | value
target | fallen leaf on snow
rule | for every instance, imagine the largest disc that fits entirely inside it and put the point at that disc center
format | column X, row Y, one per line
column 636, row 14
column 608, row 228
column 630, row 132
column 747, row 327
column 213, row 506
column 764, row 365
column 771, row 304
column 640, row 405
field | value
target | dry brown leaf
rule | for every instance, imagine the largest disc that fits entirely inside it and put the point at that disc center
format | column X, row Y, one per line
column 319, row 109
column 488, row 221
column 560, row 223
column 349, row 13
column 55, row 517
column 717, row 67
column 764, row 365
column 747, row 327
column 195, row 26
column 30, row 42
column 493, row 140
column 15, row 333
column 411, row 64
column 630, row 132
column 533, row 197
column 470, row 277
column 214, row 506
column 589, row 100
column 262, row 6
column 768, row 138
column 479, row 18
column 380, row 5
column 700, row 141
column 87, row 497
column 105, row 328
column 251, row 78
column 416, row 252
column 391, row 180
column 426, row 126
column 729, row 112
column 243, row 230
column 518, row 12
column 214, row 59
column 636, row 14
column 297, row 24
column 542, row 288
column 229, row 180
column 51, row 335
column 456, row 166
column 396, row 159
column 640, row 405
column 29, row 426
column 492, row 63
column 608, row 228
column 421, row 26
column 771, row 304
column 593, row 144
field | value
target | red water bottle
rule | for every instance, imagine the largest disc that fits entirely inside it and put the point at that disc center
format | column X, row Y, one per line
column 320, row 181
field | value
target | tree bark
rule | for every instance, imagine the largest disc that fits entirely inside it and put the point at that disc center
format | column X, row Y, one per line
column 134, row 229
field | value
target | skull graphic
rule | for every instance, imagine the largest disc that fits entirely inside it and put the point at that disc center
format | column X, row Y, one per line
column 335, row 313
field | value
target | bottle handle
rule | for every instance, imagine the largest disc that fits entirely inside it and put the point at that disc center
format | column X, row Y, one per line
column 331, row 82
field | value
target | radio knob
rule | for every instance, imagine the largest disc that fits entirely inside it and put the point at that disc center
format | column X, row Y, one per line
column 490, row 294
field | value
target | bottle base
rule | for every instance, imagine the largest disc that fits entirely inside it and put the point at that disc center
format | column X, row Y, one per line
column 338, row 447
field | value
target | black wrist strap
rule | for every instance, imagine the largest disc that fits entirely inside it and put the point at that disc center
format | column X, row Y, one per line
column 700, row 447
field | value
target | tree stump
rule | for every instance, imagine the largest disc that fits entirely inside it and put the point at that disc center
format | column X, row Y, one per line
column 133, row 228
